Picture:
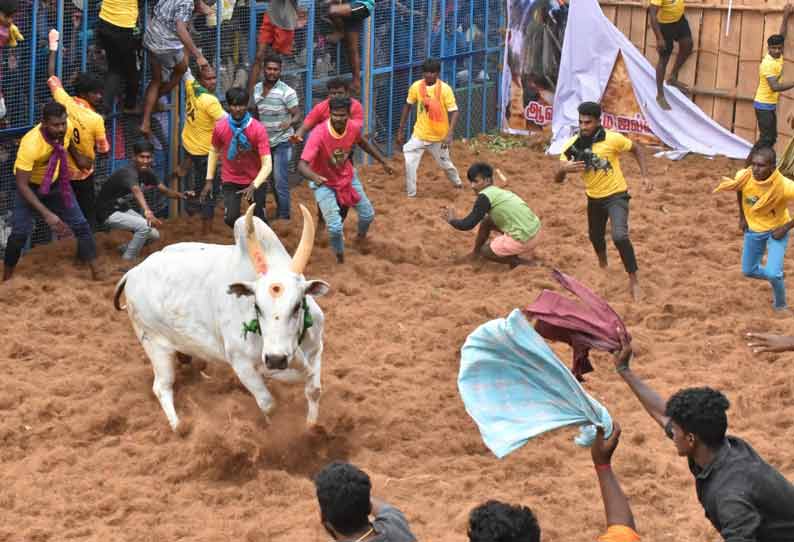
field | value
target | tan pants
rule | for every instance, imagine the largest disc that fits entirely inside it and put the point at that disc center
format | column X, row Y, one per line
column 413, row 151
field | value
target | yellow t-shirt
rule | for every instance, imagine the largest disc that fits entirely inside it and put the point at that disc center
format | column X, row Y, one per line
column 770, row 67
column 89, row 127
column 425, row 129
column 601, row 183
column 34, row 153
column 121, row 13
column 769, row 220
column 201, row 114
column 619, row 533
column 670, row 11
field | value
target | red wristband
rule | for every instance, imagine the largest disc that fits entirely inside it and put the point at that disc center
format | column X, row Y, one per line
column 603, row 467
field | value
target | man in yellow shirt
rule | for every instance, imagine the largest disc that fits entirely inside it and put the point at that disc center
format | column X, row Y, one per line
column 43, row 188
column 669, row 25
column 763, row 194
column 770, row 86
column 595, row 153
column 115, row 33
column 494, row 520
column 88, row 132
column 202, row 111
column 436, row 116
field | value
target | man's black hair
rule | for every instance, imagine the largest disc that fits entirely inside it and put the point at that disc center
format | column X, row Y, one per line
column 590, row 109
column 431, row 65
column 52, row 110
column 775, row 40
column 343, row 492
column 702, row 412
column 495, row 521
column 9, row 7
column 237, row 96
column 336, row 82
column 480, row 169
column 88, row 82
column 275, row 59
column 339, row 102
column 142, row 146
column 764, row 150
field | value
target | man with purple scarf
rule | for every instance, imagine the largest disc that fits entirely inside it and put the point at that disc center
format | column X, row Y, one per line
column 44, row 188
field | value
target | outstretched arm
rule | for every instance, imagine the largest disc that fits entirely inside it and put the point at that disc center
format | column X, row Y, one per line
column 307, row 172
column 184, row 36
column 370, row 149
column 400, row 137
column 784, row 24
column 616, row 505
column 651, row 401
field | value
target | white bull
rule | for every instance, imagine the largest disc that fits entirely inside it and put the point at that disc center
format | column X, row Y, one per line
column 243, row 304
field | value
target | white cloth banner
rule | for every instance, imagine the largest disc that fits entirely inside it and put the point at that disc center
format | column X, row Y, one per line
column 589, row 51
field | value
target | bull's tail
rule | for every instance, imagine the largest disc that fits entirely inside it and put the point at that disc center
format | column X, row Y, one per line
column 119, row 291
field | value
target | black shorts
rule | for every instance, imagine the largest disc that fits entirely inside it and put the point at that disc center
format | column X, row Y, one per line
column 673, row 32
column 359, row 12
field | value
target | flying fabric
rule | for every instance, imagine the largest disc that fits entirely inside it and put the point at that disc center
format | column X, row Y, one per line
column 589, row 324
column 515, row 388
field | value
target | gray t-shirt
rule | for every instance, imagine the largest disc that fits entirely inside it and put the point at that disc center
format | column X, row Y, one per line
column 283, row 13
column 391, row 526
column 161, row 30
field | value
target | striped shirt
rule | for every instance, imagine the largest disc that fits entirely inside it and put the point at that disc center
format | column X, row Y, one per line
column 274, row 110
column 160, row 32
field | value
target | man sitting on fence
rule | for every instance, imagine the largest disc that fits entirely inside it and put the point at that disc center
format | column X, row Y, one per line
column 770, row 73
column 113, row 209
column 326, row 163
column 44, row 188
column 337, row 88
column 436, row 116
column 347, row 19
column 242, row 143
column 276, row 35
column 166, row 39
column 202, row 111
column 89, row 127
column 278, row 111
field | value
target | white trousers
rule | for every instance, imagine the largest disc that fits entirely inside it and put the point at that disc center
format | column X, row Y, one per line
column 413, row 151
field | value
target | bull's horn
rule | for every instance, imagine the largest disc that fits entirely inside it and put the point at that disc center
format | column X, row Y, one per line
column 304, row 250
column 255, row 252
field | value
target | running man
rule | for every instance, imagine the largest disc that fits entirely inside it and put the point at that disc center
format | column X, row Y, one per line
column 595, row 153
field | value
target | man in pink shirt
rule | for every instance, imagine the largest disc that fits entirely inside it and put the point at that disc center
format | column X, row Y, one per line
column 243, row 144
column 326, row 163
column 337, row 88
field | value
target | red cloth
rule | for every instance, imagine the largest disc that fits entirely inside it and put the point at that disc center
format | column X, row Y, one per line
column 246, row 165
column 327, row 155
column 591, row 323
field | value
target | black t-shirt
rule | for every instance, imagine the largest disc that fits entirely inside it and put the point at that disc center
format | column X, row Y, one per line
column 119, row 186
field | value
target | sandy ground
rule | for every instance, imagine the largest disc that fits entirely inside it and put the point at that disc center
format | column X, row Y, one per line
column 86, row 453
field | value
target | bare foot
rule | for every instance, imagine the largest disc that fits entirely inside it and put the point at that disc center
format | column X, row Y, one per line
column 662, row 101
column 634, row 288
column 673, row 82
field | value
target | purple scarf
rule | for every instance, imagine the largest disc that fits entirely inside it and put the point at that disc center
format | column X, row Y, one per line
column 57, row 159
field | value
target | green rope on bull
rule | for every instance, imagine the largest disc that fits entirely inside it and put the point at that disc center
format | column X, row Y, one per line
column 253, row 325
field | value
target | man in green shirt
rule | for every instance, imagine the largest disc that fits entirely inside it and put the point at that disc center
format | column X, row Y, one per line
column 496, row 209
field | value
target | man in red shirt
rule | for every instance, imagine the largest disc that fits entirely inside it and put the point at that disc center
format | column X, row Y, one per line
column 337, row 88
column 326, row 163
column 244, row 146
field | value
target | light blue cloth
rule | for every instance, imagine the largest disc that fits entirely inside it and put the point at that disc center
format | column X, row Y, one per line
column 515, row 388
column 239, row 139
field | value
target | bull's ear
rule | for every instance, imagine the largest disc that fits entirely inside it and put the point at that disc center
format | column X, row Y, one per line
column 241, row 288
column 317, row 288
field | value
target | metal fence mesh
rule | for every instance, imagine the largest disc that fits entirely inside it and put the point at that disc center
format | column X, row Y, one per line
column 464, row 34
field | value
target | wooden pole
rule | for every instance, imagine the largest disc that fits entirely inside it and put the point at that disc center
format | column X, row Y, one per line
column 718, row 7
column 366, row 96
column 174, row 209
column 720, row 93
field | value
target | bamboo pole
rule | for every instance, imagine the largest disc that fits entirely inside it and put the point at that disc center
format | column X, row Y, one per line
column 720, row 93
column 174, row 208
column 718, row 7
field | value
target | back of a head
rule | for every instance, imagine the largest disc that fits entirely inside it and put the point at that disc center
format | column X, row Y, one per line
column 87, row 83
column 590, row 109
column 237, row 96
column 9, row 7
column 343, row 492
column 339, row 102
column 479, row 169
column 142, row 145
column 52, row 110
column 431, row 65
column 496, row 521
column 702, row 412
column 775, row 40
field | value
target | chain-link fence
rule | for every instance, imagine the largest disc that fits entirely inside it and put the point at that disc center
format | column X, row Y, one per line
column 464, row 34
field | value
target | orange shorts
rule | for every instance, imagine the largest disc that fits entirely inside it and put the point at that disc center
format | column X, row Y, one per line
column 504, row 245
column 278, row 38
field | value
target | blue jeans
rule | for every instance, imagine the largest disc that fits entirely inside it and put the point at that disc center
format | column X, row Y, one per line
column 282, row 154
column 326, row 199
column 755, row 244
column 22, row 224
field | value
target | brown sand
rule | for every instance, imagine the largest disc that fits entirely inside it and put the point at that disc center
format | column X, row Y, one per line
column 86, row 452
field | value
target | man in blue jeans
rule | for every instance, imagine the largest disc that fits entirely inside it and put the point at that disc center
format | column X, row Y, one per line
column 325, row 162
column 763, row 194
column 277, row 108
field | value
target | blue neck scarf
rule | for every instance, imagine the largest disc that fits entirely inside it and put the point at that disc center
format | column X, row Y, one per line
column 239, row 140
